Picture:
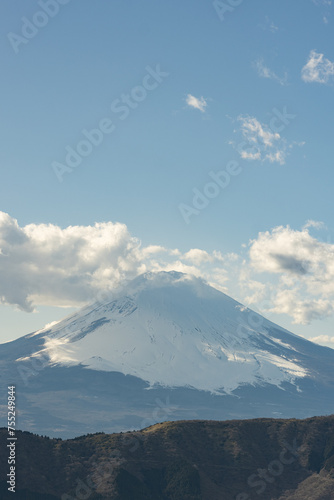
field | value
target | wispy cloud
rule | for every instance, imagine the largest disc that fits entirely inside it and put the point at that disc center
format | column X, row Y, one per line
column 269, row 25
column 314, row 223
column 264, row 72
column 326, row 4
column 197, row 102
column 317, row 69
column 263, row 143
column 322, row 2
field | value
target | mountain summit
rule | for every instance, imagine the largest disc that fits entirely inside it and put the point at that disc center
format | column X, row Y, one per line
column 174, row 330
column 173, row 334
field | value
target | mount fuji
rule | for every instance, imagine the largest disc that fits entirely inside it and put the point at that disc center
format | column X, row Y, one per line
column 165, row 346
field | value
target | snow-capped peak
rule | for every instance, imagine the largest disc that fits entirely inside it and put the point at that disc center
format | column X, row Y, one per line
column 173, row 329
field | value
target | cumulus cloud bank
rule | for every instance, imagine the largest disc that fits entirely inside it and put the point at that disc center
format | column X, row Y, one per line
column 323, row 339
column 45, row 264
column 283, row 271
column 42, row 263
column 305, row 267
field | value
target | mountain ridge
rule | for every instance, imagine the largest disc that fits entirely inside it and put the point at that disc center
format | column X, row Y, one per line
column 193, row 460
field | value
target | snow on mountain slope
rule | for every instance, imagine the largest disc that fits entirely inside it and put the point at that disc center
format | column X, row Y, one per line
column 174, row 330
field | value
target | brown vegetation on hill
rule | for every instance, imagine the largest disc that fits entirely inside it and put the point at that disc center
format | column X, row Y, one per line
column 186, row 460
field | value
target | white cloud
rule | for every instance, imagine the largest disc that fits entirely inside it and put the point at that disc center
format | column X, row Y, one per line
column 197, row 102
column 197, row 256
column 264, row 72
column 302, row 311
column 305, row 268
column 277, row 156
column 43, row 264
column 315, row 224
column 317, row 69
column 264, row 144
column 326, row 12
column 323, row 340
column 322, row 2
column 250, row 155
column 255, row 132
column 285, row 271
column 153, row 250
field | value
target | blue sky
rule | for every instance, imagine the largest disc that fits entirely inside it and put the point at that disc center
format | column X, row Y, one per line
column 228, row 74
